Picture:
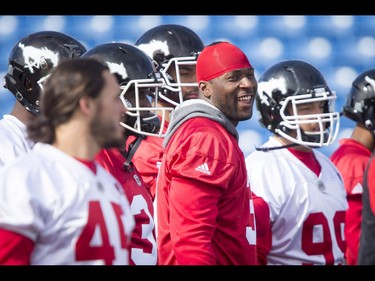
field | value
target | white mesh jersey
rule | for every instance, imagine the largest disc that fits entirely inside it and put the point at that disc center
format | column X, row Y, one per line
column 307, row 212
column 12, row 139
column 74, row 217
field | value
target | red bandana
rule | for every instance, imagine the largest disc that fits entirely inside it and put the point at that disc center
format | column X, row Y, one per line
column 218, row 59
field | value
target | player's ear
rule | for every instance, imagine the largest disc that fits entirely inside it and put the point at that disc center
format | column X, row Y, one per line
column 86, row 105
column 204, row 89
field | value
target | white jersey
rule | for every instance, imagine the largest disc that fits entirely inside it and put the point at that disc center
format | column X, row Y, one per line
column 307, row 212
column 12, row 139
column 74, row 217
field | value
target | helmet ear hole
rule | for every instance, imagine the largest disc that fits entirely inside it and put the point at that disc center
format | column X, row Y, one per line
column 28, row 84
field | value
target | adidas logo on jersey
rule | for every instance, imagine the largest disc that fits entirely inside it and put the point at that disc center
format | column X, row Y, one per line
column 203, row 169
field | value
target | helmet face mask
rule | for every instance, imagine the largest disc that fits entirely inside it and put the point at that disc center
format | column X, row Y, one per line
column 286, row 93
column 172, row 47
column 31, row 61
column 360, row 103
column 294, row 120
column 139, row 81
column 173, row 92
column 141, row 113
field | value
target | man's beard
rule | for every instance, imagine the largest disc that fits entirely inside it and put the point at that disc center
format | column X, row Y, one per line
column 104, row 133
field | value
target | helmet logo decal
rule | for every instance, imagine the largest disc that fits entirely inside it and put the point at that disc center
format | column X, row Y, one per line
column 118, row 68
column 155, row 46
column 269, row 86
column 37, row 58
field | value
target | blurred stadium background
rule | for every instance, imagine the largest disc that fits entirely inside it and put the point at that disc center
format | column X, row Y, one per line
column 340, row 46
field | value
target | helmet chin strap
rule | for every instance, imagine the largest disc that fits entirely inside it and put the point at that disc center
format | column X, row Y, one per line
column 266, row 149
column 305, row 138
column 132, row 148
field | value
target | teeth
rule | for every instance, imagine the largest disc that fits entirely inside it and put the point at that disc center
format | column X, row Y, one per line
column 245, row 98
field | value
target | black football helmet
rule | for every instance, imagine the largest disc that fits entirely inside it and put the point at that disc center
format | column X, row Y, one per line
column 138, row 78
column 32, row 60
column 295, row 82
column 171, row 45
column 360, row 103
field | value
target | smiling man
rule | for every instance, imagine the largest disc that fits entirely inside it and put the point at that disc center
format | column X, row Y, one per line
column 204, row 208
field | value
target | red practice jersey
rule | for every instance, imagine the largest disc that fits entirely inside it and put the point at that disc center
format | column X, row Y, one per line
column 366, row 252
column 351, row 159
column 143, row 241
column 147, row 159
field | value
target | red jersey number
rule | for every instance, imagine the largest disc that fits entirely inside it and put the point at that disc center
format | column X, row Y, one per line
column 84, row 250
column 324, row 247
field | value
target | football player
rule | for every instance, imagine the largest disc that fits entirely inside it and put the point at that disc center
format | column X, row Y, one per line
column 58, row 206
column 302, row 187
column 174, row 49
column 205, row 212
column 352, row 157
column 138, row 80
column 30, row 62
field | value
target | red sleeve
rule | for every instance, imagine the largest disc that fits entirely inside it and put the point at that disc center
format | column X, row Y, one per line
column 263, row 229
column 15, row 249
column 353, row 221
column 351, row 159
column 371, row 184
